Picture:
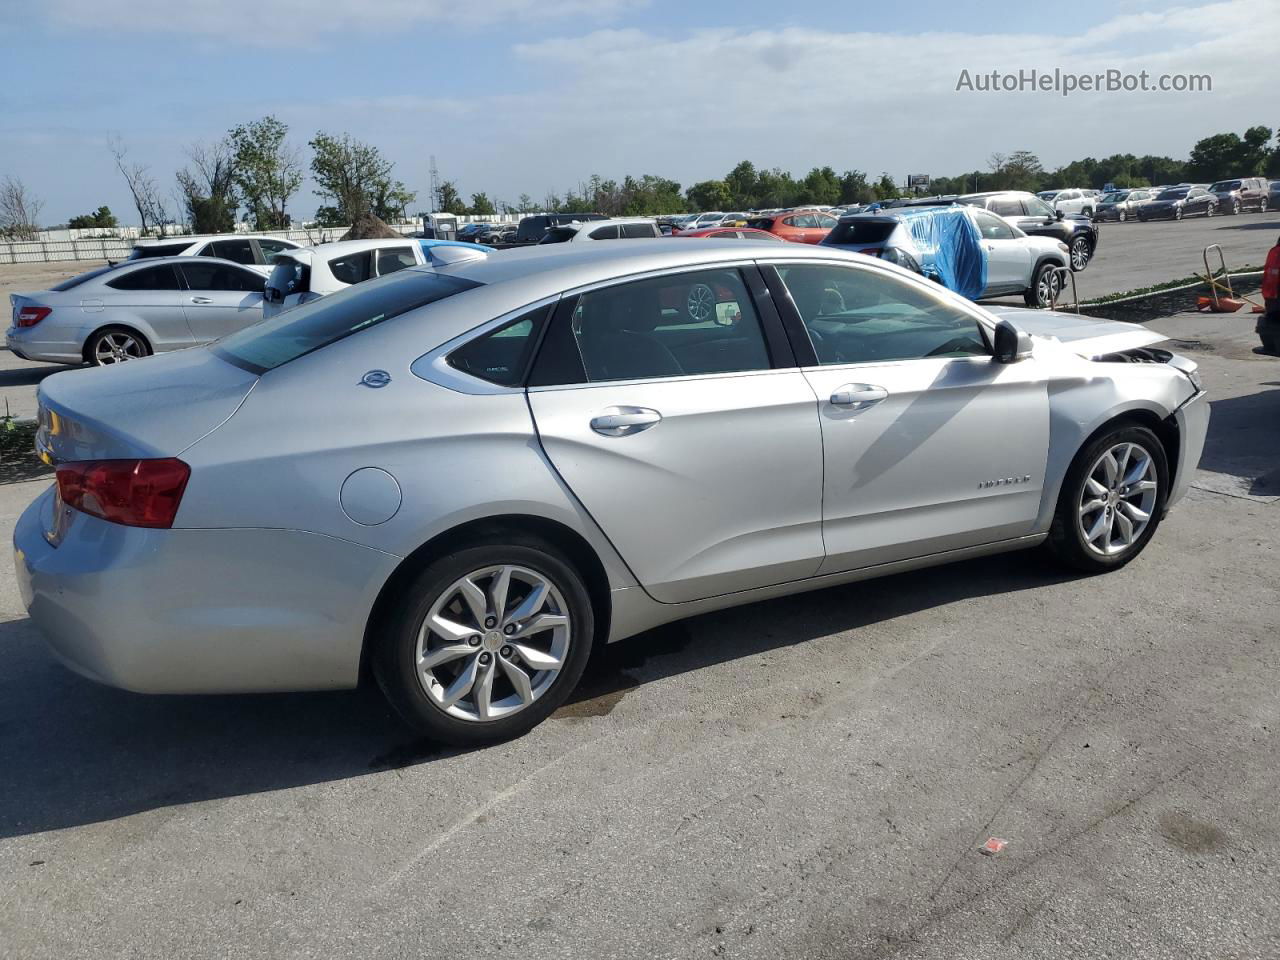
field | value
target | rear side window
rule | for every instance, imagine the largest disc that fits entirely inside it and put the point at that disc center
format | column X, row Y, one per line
column 991, row 226
column 158, row 250
column 219, row 276
column 353, row 268
column 605, row 233
column 502, row 356
column 271, row 247
column 701, row 322
column 294, row 333
column 153, row 278
column 1007, row 208
column 393, row 259
column 637, row 231
column 240, row 251
column 82, row 278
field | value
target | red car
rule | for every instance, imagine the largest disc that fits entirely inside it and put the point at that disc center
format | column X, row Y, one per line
column 729, row 233
column 798, row 226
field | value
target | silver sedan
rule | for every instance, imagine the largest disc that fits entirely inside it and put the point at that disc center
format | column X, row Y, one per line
column 134, row 309
column 462, row 478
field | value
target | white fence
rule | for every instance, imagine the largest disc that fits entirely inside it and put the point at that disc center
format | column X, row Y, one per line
column 54, row 245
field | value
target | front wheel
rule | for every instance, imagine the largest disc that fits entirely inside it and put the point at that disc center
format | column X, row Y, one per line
column 1111, row 500
column 1211, row 210
column 1235, row 208
column 1177, row 213
column 1122, row 217
column 485, row 642
column 1080, row 253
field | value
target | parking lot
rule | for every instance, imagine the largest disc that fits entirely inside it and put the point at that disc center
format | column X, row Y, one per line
column 807, row 777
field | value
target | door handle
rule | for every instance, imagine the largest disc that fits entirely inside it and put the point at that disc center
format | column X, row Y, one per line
column 624, row 421
column 858, row 395
column 201, row 300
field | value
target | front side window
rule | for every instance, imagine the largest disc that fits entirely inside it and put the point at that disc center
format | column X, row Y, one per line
column 219, row 276
column 294, row 333
column 502, row 356
column 605, row 233
column 866, row 316
column 154, row 278
column 352, row 268
column 701, row 322
column 1037, row 207
column 637, row 231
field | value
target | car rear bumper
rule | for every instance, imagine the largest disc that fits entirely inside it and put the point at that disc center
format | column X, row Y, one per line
column 198, row 611
column 26, row 343
column 1193, row 424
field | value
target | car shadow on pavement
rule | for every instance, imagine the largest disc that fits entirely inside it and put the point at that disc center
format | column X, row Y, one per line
column 30, row 376
column 1272, row 225
column 1243, row 440
column 74, row 752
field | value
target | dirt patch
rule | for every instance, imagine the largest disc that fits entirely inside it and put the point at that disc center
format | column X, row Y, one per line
column 1189, row 834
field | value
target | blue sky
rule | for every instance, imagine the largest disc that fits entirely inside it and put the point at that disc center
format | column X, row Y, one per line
column 532, row 96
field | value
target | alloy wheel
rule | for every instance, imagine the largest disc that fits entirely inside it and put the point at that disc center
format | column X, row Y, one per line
column 116, row 347
column 1117, row 500
column 701, row 303
column 493, row 642
column 1079, row 253
column 1047, row 287
column 1123, row 216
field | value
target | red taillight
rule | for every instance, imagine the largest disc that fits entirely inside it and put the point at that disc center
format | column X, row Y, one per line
column 30, row 316
column 137, row 493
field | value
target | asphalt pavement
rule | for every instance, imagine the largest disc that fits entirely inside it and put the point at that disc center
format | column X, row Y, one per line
column 809, row 777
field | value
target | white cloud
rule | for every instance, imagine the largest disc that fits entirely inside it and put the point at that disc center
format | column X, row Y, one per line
column 289, row 23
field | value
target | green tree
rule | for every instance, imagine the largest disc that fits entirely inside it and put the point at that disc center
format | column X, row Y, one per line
column 821, row 185
column 100, row 219
column 481, row 205
column 743, row 184
column 885, row 188
column 207, row 187
column 709, row 195
column 450, row 200
column 525, row 204
column 357, row 178
column 854, row 187
column 266, row 170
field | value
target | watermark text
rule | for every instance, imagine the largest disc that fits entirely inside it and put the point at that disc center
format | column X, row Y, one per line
column 1066, row 83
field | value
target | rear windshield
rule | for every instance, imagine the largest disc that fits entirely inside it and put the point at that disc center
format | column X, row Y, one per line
column 861, row 231
column 159, row 250
column 559, row 235
column 294, row 333
column 287, row 276
column 82, row 278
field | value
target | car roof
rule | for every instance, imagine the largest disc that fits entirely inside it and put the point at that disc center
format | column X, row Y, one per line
column 200, row 237
column 552, row 268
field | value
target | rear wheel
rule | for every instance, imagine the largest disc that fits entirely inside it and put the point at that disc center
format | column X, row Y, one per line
column 1111, row 500
column 115, row 345
column 485, row 642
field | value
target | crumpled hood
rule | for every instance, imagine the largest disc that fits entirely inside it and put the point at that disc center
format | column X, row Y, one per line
column 1086, row 336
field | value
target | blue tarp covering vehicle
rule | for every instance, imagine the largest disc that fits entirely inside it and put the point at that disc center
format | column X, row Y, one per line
column 943, row 243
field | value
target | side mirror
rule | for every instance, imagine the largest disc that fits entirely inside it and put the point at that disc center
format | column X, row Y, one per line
column 1012, row 342
column 1058, row 215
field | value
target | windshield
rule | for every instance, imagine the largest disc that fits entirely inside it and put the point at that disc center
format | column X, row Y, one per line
column 294, row 333
column 1173, row 194
column 1114, row 197
column 1225, row 186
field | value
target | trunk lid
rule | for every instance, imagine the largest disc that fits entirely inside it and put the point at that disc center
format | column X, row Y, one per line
column 1084, row 335
column 155, row 407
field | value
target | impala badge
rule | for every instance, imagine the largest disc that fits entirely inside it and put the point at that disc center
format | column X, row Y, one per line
column 1004, row 482
column 376, row 379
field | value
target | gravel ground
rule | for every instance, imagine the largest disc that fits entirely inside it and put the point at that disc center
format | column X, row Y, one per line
column 810, row 777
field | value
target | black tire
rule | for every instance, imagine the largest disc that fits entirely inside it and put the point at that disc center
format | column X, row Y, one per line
column 395, row 639
column 1081, row 252
column 1034, row 296
column 1066, row 539
column 94, row 346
